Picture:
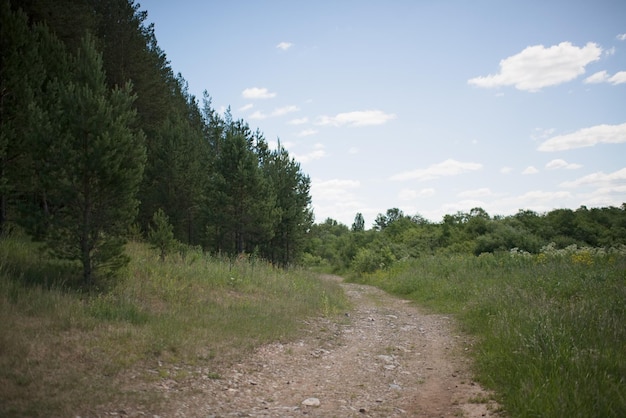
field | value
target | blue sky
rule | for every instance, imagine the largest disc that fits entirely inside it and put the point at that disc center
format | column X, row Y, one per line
column 431, row 107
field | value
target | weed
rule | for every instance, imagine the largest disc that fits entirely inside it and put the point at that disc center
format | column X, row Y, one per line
column 549, row 326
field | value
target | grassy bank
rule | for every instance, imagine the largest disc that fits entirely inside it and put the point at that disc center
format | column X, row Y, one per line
column 62, row 350
column 551, row 327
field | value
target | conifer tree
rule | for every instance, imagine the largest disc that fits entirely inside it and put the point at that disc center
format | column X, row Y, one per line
column 293, row 215
column 93, row 168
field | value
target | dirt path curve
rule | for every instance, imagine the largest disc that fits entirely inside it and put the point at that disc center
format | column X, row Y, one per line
column 385, row 358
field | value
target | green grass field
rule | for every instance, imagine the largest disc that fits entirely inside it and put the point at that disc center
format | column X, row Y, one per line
column 62, row 349
column 551, row 327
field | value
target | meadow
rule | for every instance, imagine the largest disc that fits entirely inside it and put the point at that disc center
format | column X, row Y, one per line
column 62, row 348
column 550, row 328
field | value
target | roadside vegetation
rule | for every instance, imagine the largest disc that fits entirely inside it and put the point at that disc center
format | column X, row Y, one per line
column 549, row 326
column 64, row 349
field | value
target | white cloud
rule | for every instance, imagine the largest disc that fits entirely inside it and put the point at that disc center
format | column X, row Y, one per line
column 246, row 107
column 335, row 189
column 530, row 170
column 407, row 194
column 506, row 170
column 603, row 77
column 353, row 150
column 536, row 199
column 541, row 133
column 599, row 179
column 315, row 154
column 618, row 78
column 558, row 163
column 336, row 199
column 357, row 118
column 621, row 37
column 586, row 137
column 462, row 206
column 257, row 93
column 446, row 168
column 284, row 45
column 610, row 51
column 537, row 66
column 482, row 192
column 258, row 115
column 307, row 132
column 280, row 111
column 412, row 194
column 605, row 196
column 298, row 121
column 599, row 77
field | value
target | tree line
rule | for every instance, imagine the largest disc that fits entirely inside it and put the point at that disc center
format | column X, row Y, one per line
column 101, row 141
column 396, row 236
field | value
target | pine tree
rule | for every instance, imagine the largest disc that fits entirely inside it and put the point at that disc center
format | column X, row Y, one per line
column 22, row 77
column 292, row 209
column 161, row 234
column 240, row 197
column 93, row 169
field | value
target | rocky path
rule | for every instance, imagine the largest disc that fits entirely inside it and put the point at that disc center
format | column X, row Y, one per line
column 385, row 358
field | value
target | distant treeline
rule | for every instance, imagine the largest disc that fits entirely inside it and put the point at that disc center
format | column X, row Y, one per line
column 396, row 236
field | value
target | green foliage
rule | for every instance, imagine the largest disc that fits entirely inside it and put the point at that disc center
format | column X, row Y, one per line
column 92, row 172
column 161, row 234
column 549, row 326
column 464, row 233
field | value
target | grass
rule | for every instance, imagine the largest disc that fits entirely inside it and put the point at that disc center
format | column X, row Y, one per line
column 64, row 351
column 550, row 327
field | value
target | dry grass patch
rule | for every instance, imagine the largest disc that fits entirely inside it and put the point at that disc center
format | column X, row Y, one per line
column 64, row 352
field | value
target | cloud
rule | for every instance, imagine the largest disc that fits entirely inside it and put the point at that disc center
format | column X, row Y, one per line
column 537, row 67
column 246, row 107
column 444, row 169
column 257, row 93
column 599, row 179
column 482, row 192
column 335, row 199
column 258, row 115
column 315, row 154
column 586, row 137
column 307, row 132
column 605, row 196
column 603, row 77
column 533, row 199
column 284, row 45
column 335, row 189
column 280, row 111
column 506, row 170
column 621, row 36
column 530, row 170
column 618, row 78
column 299, row 121
column 358, row 118
column 411, row 194
column 558, row 163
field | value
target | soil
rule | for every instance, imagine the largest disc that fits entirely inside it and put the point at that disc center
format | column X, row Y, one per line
column 384, row 358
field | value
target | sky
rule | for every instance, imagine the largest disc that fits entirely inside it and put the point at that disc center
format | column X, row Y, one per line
column 429, row 106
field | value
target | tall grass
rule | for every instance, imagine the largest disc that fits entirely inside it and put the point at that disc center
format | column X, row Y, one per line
column 62, row 349
column 551, row 327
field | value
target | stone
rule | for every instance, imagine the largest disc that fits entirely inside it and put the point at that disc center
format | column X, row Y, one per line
column 311, row 402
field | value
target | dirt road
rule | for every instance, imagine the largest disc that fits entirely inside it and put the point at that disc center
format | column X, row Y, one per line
column 385, row 358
